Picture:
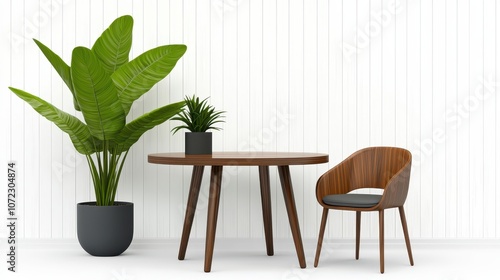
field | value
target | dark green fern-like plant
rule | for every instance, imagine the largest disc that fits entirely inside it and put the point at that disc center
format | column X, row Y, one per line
column 198, row 116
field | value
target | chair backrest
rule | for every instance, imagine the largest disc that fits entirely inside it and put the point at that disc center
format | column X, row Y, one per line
column 373, row 167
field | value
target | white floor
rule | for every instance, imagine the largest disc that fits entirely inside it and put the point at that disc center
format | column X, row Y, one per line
column 246, row 259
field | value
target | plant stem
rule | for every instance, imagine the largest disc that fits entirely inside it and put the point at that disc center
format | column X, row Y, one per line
column 115, row 187
column 95, row 177
column 104, row 175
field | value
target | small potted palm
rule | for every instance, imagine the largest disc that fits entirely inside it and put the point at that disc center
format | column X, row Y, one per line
column 198, row 117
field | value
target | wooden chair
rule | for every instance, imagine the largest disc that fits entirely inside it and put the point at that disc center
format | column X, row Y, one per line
column 386, row 168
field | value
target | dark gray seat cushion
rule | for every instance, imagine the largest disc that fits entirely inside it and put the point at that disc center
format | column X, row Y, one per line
column 352, row 200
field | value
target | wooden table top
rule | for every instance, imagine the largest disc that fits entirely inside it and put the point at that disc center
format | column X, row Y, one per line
column 239, row 158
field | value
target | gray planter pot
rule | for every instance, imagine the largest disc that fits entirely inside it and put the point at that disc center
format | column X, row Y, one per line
column 105, row 230
column 198, row 143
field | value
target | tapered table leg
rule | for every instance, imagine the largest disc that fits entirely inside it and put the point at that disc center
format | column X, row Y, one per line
column 213, row 210
column 286, row 185
column 194, row 191
column 265, row 195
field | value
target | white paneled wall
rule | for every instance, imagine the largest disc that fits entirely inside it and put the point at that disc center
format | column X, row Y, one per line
column 327, row 76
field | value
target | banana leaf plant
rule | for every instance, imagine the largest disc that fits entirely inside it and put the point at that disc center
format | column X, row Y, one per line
column 104, row 85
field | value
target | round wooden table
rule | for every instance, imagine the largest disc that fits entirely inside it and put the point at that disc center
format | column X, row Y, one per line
column 219, row 159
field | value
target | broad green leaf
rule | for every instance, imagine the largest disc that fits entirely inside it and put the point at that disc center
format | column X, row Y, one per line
column 104, row 84
column 113, row 46
column 135, row 129
column 76, row 129
column 96, row 95
column 61, row 67
column 139, row 75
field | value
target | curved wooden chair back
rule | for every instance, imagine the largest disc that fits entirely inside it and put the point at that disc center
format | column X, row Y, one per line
column 386, row 168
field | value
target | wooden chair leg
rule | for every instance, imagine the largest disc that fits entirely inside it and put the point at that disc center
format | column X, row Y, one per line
column 321, row 234
column 358, row 231
column 405, row 231
column 381, row 237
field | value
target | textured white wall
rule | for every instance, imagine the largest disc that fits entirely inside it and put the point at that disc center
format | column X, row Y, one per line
column 300, row 75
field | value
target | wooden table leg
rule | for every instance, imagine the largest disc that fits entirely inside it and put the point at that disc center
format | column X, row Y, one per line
column 213, row 209
column 286, row 185
column 194, row 191
column 265, row 195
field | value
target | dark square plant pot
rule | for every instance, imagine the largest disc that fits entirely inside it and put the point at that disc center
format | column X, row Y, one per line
column 198, row 143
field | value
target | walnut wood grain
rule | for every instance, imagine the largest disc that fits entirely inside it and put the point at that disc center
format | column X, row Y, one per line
column 405, row 231
column 381, row 238
column 194, row 191
column 386, row 168
column 324, row 218
column 261, row 159
column 286, row 186
column 265, row 194
column 358, row 232
column 239, row 158
column 213, row 211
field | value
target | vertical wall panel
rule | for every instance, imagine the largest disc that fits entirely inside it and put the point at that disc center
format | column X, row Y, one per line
column 438, row 118
column 397, row 11
column 253, row 121
column 136, row 154
column 310, row 128
column 413, row 90
column 167, row 185
column 389, row 106
column 323, row 101
column 349, row 91
column 272, row 107
column 18, row 109
column 337, row 50
column 489, row 127
column 151, row 217
column 426, row 125
column 449, row 139
column 248, row 220
column 283, row 113
column 496, row 100
column 32, row 129
column 5, row 99
column 462, row 119
column 315, row 76
column 45, row 186
column 362, row 45
column 375, row 81
column 296, row 97
column 229, row 98
column 475, row 107
column 70, row 158
column 165, row 142
column 72, row 21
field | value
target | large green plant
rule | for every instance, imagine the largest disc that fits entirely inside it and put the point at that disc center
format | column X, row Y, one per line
column 104, row 84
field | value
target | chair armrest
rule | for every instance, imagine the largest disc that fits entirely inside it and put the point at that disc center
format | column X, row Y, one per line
column 396, row 189
column 337, row 180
